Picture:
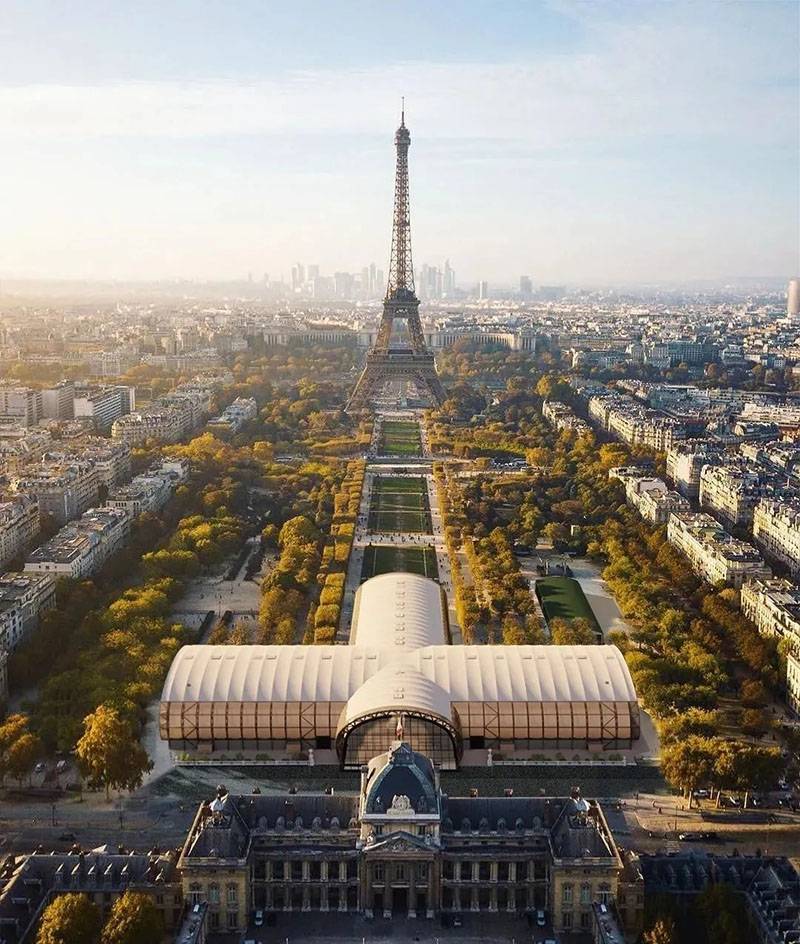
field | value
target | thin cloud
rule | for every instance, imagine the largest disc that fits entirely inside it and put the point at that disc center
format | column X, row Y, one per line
column 638, row 80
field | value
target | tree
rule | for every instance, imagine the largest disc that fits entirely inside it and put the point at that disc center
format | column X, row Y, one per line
column 576, row 632
column 721, row 911
column 22, row 754
column 109, row 752
column 134, row 919
column 10, row 731
column 754, row 721
column 70, row 919
column 689, row 763
column 692, row 721
column 753, row 693
column 662, row 932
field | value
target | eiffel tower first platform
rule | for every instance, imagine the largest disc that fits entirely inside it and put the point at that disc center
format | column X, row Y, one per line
column 384, row 362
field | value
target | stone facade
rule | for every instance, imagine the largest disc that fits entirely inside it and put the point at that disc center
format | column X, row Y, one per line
column 402, row 847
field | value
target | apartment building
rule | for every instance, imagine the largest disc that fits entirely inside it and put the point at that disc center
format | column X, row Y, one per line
column 169, row 419
column 58, row 402
column 768, row 887
column 776, row 529
column 104, row 405
column 19, row 525
column 233, row 417
column 83, row 546
column 671, row 353
column 64, row 486
column 600, row 406
column 560, row 416
column 20, row 444
column 732, row 491
column 653, row 500
column 23, row 600
column 685, row 462
column 793, row 680
column 112, row 460
column 166, row 426
column 714, row 554
column 22, row 405
column 774, row 606
column 634, row 424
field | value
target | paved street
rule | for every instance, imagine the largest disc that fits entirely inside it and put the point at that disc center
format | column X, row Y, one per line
column 321, row 929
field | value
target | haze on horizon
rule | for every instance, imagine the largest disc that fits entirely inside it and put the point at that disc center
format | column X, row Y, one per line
column 603, row 143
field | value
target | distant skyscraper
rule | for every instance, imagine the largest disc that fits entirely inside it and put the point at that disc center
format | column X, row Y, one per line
column 449, row 286
column 365, row 289
column 298, row 276
column 313, row 272
column 483, row 291
column 379, row 283
column 525, row 286
column 793, row 298
column 373, row 282
column 343, row 285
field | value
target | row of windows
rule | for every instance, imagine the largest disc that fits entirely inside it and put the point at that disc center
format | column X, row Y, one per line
column 196, row 894
column 603, row 894
column 399, row 871
column 294, row 869
column 524, row 871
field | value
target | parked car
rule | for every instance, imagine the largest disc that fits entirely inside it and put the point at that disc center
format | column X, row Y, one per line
column 457, row 922
column 39, row 767
column 688, row 837
column 701, row 794
column 61, row 766
column 541, row 918
column 258, row 918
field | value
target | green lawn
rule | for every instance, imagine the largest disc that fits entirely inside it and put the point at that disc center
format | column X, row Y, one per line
column 397, row 483
column 386, row 560
column 399, row 504
column 400, row 438
column 564, row 597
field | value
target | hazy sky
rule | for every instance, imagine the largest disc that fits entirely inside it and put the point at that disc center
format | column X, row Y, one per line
column 571, row 142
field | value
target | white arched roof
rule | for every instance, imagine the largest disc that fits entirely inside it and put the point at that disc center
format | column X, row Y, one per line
column 336, row 673
column 398, row 610
column 528, row 673
column 398, row 687
column 269, row 673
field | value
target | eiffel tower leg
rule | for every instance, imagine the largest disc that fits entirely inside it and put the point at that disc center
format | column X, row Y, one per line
column 363, row 391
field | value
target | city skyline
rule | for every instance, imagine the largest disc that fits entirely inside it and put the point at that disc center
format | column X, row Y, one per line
column 575, row 143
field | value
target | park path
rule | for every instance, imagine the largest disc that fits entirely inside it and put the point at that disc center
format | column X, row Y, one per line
column 363, row 536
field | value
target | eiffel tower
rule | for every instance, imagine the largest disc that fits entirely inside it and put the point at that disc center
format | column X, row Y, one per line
column 385, row 363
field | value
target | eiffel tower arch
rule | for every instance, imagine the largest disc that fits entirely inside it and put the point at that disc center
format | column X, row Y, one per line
column 385, row 362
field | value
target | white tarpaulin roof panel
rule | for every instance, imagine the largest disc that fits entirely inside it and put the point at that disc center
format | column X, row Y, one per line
column 335, row 673
column 398, row 610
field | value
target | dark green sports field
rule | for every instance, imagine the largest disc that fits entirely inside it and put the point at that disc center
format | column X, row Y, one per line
column 399, row 504
column 564, row 597
column 380, row 559
column 400, row 438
